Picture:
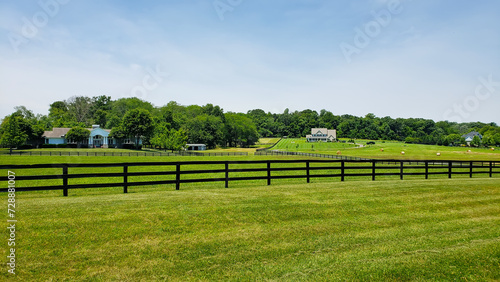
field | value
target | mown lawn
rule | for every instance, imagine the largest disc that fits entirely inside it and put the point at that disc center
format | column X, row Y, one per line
column 291, row 173
column 301, row 145
column 391, row 150
column 363, row 231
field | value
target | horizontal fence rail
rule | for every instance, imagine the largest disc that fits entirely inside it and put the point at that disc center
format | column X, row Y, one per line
column 124, row 154
column 177, row 173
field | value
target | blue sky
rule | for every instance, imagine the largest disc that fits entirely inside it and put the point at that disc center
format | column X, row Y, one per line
column 430, row 59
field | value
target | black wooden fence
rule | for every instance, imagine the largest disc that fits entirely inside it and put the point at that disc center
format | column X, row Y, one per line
column 269, row 170
column 96, row 153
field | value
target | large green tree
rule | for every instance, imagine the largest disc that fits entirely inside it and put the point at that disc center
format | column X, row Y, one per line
column 169, row 139
column 78, row 134
column 205, row 129
column 12, row 133
column 80, row 109
column 476, row 141
column 138, row 123
column 240, row 130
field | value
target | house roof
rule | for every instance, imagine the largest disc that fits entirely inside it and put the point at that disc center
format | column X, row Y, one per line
column 60, row 132
column 472, row 134
column 57, row 132
column 315, row 130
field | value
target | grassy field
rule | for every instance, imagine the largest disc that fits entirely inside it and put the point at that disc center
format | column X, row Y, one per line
column 391, row 150
column 268, row 140
column 437, row 229
column 364, row 231
column 301, row 145
column 297, row 170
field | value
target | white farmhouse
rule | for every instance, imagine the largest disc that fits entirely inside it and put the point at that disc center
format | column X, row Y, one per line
column 322, row 135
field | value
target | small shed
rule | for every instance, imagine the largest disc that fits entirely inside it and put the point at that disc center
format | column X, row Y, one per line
column 196, row 147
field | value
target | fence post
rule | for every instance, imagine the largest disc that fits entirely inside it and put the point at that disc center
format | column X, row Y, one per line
column 401, row 170
column 268, row 173
column 426, row 170
column 65, row 180
column 308, row 172
column 342, row 170
column 125, row 179
column 450, row 164
column 227, row 174
column 471, row 164
column 373, row 170
column 491, row 169
column 177, row 176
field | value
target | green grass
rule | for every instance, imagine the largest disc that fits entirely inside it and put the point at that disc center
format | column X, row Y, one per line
column 391, row 150
column 334, row 168
column 415, row 229
column 356, row 231
column 268, row 140
column 301, row 145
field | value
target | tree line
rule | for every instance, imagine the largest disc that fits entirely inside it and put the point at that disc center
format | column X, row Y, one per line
column 173, row 125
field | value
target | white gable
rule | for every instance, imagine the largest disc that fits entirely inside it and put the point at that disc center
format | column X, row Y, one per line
column 98, row 131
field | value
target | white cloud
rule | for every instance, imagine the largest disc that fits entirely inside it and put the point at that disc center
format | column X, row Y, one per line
column 416, row 67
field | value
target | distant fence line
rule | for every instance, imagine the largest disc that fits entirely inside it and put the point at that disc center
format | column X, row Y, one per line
column 330, row 169
column 286, row 153
column 269, row 148
column 124, row 154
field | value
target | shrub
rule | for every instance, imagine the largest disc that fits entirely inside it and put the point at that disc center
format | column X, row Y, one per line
column 25, row 147
column 62, row 145
column 131, row 147
column 48, row 146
